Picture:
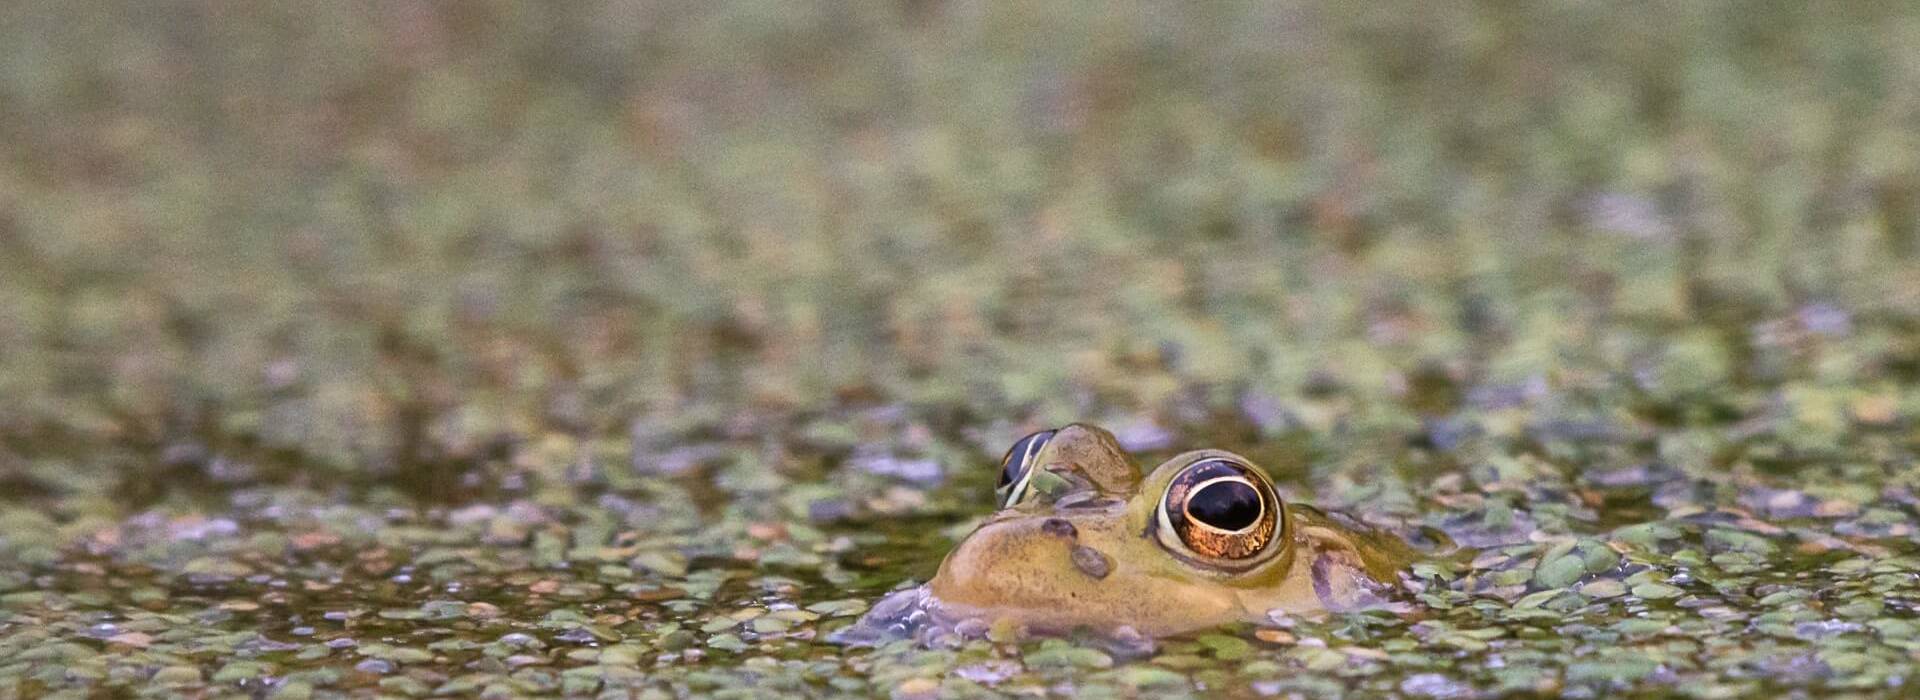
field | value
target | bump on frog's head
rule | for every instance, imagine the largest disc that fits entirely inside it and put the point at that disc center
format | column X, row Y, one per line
column 1074, row 460
column 1211, row 509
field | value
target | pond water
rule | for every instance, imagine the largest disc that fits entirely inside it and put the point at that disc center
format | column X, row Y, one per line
column 721, row 577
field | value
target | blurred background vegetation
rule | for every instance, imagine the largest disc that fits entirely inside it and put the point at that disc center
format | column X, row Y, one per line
column 360, row 236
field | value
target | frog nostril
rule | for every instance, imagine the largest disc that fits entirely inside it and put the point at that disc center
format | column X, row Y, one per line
column 1091, row 562
column 1059, row 528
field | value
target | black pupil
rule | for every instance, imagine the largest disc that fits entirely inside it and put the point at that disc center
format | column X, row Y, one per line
column 1022, row 452
column 1228, row 505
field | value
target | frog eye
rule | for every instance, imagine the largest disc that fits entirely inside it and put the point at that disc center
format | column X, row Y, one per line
column 1016, row 469
column 1219, row 509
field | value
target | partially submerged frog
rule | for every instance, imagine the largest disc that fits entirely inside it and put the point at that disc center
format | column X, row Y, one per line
column 1083, row 541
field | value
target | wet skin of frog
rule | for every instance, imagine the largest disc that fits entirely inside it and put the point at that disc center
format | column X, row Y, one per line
column 1082, row 540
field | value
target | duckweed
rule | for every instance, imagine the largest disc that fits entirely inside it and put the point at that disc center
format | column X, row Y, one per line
column 499, row 349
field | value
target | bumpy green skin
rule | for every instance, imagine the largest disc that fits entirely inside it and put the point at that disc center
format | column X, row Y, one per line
column 1108, row 570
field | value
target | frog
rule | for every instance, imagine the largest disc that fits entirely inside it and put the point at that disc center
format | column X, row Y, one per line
column 1082, row 539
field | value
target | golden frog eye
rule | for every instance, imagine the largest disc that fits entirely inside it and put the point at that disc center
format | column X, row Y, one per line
column 1220, row 509
column 1016, row 469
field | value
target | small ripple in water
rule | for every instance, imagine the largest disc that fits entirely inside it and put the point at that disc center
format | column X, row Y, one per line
column 914, row 614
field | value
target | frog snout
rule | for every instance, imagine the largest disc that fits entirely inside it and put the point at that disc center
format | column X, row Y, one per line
column 1024, row 562
column 1058, row 571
